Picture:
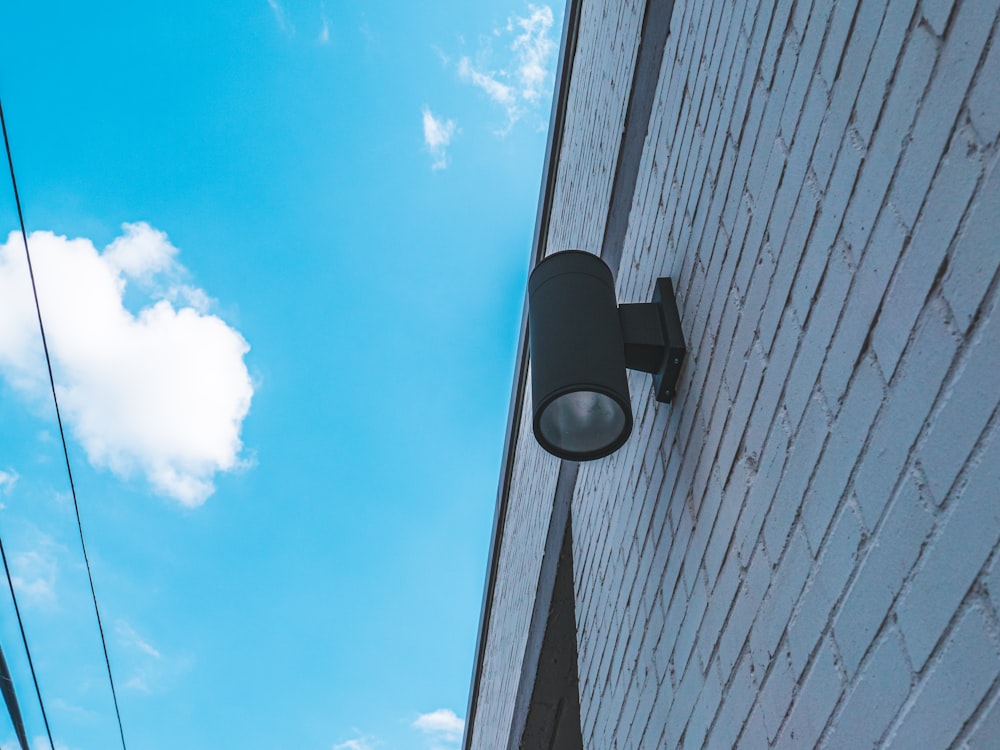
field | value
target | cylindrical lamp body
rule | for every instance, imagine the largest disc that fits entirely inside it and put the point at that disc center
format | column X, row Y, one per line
column 579, row 387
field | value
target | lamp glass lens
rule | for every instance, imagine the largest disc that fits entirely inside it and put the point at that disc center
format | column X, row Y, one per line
column 582, row 421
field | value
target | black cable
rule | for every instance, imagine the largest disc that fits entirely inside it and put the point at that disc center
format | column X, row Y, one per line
column 10, row 698
column 62, row 433
column 24, row 638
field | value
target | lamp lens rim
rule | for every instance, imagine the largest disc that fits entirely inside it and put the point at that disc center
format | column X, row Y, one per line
column 589, row 454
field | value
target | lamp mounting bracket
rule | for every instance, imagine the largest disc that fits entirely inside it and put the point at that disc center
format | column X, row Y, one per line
column 654, row 342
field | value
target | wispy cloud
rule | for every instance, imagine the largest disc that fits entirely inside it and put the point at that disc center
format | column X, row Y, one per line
column 131, row 639
column 360, row 742
column 41, row 743
column 441, row 725
column 143, row 673
column 163, row 391
column 145, row 667
column 7, row 481
column 441, row 55
column 438, row 133
column 281, row 16
column 521, row 80
column 77, row 713
column 495, row 89
column 324, row 31
column 34, row 574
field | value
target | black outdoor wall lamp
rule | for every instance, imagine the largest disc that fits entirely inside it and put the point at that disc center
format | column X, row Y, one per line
column 581, row 342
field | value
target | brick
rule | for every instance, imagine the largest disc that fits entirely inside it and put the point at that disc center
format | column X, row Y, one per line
column 974, row 260
column 986, row 731
column 720, row 604
column 821, row 245
column 703, row 528
column 871, row 705
column 704, row 710
column 953, row 558
column 695, row 610
column 657, row 724
column 805, row 451
column 835, row 44
column 971, row 401
column 792, row 250
column 952, row 688
column 889, row 139
column 761, row 491
column 984, row 101
column 801, row 15
column 686, row 695
column 776, row 696
column 796, row 165
column 909, row 400
column 812, row 706
column 901, row 108
column 754, row 732
column 640, row 705
column 775, row 38
column 885, row 55
column 736, row 704
column 746, row 399
column 775, row 610
column 720, row 542
column 964, row 44
column 832, row 135
column 894, row 550
column 992, row 582
column 863, row 302
column 803, row 113
column 830, row 574
column 738, row 626
column 918, row 268
column 828, row 486
column 936, row 13
column 823, row 317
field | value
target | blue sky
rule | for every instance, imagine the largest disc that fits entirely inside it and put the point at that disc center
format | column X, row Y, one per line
column 281, row 250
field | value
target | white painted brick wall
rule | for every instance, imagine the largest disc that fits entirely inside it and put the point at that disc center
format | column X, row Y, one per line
column 608, row 37
column 804, row 549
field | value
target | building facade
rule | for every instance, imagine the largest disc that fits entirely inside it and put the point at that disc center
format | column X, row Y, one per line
column 802, row 549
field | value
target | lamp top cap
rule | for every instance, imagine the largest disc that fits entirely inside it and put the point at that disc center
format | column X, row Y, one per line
column 571, row 261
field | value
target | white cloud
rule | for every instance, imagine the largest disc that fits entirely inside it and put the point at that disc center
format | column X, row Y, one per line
column 519, row 84
column 7, row 481
column 162, row 392
column 281, row 16
column 442, row 724
column 438, row 133
column 533, row 48
column 141, row 253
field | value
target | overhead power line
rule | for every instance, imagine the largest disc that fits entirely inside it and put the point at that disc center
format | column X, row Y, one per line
column 62, row 437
